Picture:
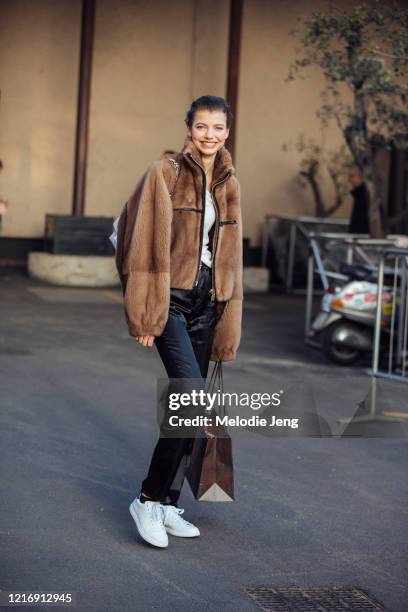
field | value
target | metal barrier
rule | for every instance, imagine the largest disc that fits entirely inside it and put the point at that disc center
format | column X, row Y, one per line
column 301, row 228
column 391, row 323
column 350, row 249
column 397, row 327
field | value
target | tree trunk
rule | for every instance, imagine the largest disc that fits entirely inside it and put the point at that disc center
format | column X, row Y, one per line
column 356, row 136
column 310, row 175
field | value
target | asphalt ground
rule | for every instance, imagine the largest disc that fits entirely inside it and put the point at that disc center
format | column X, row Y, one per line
column 77, row 432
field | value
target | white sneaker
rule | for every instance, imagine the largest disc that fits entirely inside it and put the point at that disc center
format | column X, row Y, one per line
column 176, row 525
column 149, row 521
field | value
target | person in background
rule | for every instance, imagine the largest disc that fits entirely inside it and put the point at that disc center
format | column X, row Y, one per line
column 359, row 221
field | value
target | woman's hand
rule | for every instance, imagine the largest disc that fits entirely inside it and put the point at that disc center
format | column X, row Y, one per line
column 145, row 340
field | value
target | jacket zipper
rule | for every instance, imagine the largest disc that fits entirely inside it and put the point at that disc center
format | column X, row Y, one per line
column 202, row 220
column 213, row 291
column 215, row 242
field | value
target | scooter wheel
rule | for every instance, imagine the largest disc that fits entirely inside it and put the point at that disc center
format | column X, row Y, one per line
column 332, row 347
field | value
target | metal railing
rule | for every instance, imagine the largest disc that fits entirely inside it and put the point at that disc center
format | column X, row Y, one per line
column 300, row 228
column 353, row 249
column 396, row 328
column 390, row 358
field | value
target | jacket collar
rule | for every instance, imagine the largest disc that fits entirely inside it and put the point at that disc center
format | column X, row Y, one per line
column 223, row 165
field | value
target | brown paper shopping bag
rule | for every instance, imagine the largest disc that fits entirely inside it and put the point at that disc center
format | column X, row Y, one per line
column 211, row 472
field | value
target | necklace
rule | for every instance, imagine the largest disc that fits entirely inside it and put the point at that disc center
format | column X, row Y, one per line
column 209, row 172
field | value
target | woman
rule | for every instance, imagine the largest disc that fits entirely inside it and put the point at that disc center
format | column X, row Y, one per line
column 180, row 262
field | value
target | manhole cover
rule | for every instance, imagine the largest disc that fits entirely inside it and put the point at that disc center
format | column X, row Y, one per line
column 322, row 599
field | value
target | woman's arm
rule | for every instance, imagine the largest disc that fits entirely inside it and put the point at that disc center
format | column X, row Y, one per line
column 146, row 266
column 227, row 334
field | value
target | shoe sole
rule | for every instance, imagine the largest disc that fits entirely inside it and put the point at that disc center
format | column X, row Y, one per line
column 181, row 535
column 147, row 538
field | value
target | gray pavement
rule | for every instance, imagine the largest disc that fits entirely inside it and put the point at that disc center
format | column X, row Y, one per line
column 77, row 431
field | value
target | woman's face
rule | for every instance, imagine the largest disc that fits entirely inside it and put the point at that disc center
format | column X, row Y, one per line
column 209, row 131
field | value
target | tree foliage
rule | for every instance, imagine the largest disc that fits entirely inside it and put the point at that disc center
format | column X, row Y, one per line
column 363, row 55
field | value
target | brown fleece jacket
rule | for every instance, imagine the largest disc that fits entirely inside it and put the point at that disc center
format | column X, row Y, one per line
column 163, row 251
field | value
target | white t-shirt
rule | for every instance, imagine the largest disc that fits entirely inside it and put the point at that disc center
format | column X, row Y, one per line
column 209, row 218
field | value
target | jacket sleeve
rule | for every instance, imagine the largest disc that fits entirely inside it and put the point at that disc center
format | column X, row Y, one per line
column 227, row 335
column 147, row 263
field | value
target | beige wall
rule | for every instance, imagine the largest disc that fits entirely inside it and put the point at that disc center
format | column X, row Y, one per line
column 272, row 112
column 150, row 60
column 38, row 80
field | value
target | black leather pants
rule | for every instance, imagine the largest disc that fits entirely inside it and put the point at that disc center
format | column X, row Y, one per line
column 185, row 348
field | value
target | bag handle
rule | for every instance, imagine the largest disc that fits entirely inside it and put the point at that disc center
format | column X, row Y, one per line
column 217, row 383
column 176, row 166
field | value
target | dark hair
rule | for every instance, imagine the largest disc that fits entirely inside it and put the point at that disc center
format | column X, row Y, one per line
column 211, row 103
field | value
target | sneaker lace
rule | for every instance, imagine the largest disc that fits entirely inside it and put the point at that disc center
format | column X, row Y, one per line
column 157, row 514
column 179, row 512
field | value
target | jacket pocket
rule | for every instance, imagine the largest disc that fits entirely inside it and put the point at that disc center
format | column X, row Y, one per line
column 188, row 209
column 232, row 222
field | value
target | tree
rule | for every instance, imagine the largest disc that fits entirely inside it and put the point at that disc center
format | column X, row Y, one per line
column 363, row 55
column 316, row 160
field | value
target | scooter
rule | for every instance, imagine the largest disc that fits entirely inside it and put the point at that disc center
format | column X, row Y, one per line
column 346, row 321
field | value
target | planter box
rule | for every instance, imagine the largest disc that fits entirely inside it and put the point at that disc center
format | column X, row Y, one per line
column 73, row 270
column 255, row 280
column 69, row 235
